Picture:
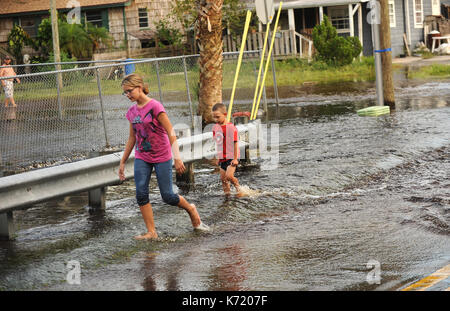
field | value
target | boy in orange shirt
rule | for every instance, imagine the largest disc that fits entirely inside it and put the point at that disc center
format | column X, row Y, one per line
column 226, row 137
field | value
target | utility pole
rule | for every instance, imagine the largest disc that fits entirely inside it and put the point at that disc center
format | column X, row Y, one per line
column 374, row 21
column 386, row 54
column 56, row 54
column 55, row 35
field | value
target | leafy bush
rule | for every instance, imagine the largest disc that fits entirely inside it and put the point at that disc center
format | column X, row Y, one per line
column 334, row 49
column 17, row 39
column 167, row 35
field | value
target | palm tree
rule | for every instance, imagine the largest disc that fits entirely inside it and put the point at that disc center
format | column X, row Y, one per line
column 75, row 40
column 79, row 41
column 209, row 31
column 98, row 36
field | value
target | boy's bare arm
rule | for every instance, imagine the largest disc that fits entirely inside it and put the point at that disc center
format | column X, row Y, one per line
column 235, row 155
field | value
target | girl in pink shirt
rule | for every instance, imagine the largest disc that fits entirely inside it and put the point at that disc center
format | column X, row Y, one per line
column 154, row 138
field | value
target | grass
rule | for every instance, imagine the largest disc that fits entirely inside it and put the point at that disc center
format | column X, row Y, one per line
column 427, row 55
column 298, row 71
column 434, row 71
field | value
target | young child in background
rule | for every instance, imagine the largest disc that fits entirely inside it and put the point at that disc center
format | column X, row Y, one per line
column 226, row 136
column 7, row 84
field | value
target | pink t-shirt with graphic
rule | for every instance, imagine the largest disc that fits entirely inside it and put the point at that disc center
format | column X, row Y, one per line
column 152, row 142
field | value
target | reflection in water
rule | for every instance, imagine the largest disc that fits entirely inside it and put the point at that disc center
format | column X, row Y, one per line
column 317, row 111
column 231, row 271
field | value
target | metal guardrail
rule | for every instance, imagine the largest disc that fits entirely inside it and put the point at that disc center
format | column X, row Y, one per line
column 25, row 189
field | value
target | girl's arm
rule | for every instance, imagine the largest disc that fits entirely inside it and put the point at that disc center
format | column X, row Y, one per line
column 163, row 118
column 126, row 153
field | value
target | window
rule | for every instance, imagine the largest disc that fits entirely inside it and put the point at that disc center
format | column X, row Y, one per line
column 29, row 25
column 418, row 14
column 143, row 18
column 95, row 18
column 392, row 13
column 339, row 18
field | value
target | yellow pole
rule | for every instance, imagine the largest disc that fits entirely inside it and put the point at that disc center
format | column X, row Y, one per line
column 260, row 67
column 236, row 75
column 267, row 63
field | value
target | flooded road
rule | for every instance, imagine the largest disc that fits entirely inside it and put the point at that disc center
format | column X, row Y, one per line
column 347, row 191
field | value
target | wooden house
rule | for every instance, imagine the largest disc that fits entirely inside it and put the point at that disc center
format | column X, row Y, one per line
column 129, row 22
column 350, row 17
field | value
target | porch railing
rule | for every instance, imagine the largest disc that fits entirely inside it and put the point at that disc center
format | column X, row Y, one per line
column 287, row 43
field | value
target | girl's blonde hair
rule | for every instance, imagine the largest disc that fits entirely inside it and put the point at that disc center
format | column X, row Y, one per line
column 135, row 80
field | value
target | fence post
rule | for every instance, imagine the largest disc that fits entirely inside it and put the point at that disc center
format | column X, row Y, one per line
column 188, row 92
column 58, row 92
column 96, row 197
column 101, row 106
column 243, row 118
column 6, row 226
column 159, row 82
column 186, row 180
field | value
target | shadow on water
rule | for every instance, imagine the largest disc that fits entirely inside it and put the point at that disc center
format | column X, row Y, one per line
column 346, row 190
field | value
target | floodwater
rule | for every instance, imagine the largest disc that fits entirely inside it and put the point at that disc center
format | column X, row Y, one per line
column 348, row 193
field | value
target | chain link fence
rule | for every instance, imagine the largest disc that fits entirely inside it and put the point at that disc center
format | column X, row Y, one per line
column 70, row 114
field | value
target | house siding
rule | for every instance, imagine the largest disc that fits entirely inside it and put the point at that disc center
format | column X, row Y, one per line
column 6, row 25
column 417, row 33
column 397, row 32
column 157, row 10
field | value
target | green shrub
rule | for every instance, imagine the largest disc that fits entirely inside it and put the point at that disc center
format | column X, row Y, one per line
column 333, row 49
column 368, row 61
column 167, row 34
column 319, row 65
column 17, row 39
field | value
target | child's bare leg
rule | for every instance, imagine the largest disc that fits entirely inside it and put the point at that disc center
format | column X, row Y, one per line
column 191, row 210
column 230, row 176
column 147, row 214
column 6, row 102
column 225, row 183
column 13, row 102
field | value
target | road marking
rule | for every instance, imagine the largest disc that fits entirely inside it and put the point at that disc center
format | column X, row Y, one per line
column 430, row 280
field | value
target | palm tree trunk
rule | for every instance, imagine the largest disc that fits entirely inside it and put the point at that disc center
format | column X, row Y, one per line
column 209, row 31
